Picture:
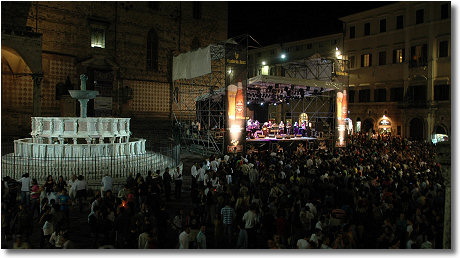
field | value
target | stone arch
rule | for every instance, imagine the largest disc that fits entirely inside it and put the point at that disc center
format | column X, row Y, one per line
column 367, row 125
column 13, row 63
column 416, row 128
column 31, row 59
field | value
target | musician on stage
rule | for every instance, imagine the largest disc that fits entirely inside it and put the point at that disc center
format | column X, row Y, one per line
column 303, row 128
column 296, row 128
column 249, row 128
column 288, row 127
column 281, row 126
column 275, row 128
column 265, row 129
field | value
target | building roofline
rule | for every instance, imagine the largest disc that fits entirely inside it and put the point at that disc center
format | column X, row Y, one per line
column 362, row 14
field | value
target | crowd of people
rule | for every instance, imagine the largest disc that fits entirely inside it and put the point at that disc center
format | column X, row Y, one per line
column 383, row 193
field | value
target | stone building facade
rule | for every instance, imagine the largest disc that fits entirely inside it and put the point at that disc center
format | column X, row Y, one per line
column 400, row 69
column 125, row 48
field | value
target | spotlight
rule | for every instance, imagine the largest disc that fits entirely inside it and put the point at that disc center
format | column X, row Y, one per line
column 264, row 63
column 283, row 56
column 247, row 102
column 275, row 104
column 261, row 103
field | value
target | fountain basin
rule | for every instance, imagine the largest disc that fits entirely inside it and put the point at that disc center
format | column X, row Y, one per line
column 83, row 94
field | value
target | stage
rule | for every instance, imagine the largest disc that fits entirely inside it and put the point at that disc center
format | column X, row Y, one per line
column 274, row 139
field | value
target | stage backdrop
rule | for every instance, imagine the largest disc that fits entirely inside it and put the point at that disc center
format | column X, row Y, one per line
column 236, row 81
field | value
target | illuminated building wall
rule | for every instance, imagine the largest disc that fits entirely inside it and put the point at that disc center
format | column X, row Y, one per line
column 408, row 78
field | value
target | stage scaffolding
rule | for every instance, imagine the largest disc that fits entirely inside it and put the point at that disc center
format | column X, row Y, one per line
column 193, row 123
column 198, row 107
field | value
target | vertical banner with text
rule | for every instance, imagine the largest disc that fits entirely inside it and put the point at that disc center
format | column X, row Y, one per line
column 236, row 80
column 342, row 112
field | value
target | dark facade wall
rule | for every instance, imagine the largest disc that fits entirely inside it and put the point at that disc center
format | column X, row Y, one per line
column 67, row 52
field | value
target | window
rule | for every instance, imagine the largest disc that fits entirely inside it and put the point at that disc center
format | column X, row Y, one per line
column 152, row 50
column 383, row 58
column 352, row 62
column 351, row 96
column 419, row 16
column 444, row 48
column 272, row 52
column 258, row 54
column 398, row 56
column 367, row 29
column 352, row 32
column 396, row 94
column 416, row 93
column 399, row 22
column 364, row 95
column 366, row 60
column 383, row 25
column 418, row 55
column 441, row 92
column 309, row 46
column 380, row 95
column 97, row 36
column 297, row 48
column 197, row 10
column 444, row 11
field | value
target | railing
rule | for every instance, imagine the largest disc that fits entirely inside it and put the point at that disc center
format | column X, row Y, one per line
column 92, row 168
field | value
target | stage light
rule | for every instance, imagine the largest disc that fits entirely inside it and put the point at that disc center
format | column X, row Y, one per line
column 264, row 63
column 274, row 104
column 261, row 103
column 283, row 56
column 247, row 102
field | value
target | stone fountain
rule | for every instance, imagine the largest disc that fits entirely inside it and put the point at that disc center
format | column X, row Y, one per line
column 91, row 146
column 83, row 95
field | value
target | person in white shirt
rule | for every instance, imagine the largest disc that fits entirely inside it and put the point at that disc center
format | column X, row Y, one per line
column 250, row 220
column 107, row 183
column 184, row 239
column 201, row 175
column 72, row 188
column 26, row 183
column 214, row 165
column 81, row 187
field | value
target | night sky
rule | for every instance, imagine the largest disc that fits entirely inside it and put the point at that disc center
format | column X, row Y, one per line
column 277, row 22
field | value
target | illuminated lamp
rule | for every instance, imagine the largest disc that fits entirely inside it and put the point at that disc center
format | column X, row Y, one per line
column 283, row 56
column 264, row 63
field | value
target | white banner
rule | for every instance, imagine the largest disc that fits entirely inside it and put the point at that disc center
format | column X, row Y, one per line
column 192, row 64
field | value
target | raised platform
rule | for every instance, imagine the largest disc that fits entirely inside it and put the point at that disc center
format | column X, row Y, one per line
column 274, row 139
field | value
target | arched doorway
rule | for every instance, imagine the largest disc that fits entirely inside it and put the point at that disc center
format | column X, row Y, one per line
column 368, row 125
column 384, row 125
column 439, row 134
column 358, row 125
column 17, row 89
column 416, row 129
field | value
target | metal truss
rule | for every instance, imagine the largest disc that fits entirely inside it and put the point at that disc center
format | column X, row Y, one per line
column 195, row 119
